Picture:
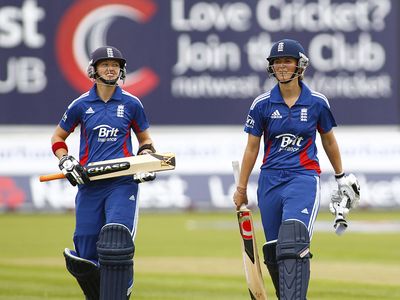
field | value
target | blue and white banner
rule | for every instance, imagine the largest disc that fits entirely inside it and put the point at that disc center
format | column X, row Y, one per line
column 198, row 62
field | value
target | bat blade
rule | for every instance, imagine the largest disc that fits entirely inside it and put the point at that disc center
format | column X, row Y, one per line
column 251, row 261
column 153, row 162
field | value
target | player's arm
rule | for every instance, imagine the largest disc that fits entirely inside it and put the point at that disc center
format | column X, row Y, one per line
column 145, row 142
column 58, row 141
column 248, row 161
column 348, row 184
column 145, row 146
column 71, row 168
column 332, row 150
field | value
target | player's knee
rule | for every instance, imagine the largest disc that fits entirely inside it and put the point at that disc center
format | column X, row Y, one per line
column 293, row 241
column 115, row 245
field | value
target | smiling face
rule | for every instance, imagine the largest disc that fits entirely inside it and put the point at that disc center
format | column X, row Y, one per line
column 284, row 67
column 108, row 69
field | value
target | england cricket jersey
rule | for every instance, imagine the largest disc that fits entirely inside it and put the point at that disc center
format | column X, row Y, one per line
column 289, row 133
column 105, row 126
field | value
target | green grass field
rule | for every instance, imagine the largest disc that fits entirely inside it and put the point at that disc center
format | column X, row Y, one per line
column 196, row 256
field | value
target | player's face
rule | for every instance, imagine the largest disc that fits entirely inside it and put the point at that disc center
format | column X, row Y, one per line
column 108, row 69
column 284, row 67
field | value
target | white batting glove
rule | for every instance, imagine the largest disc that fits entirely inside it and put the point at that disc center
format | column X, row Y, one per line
column 143, row 177
column 349, row 186
column 338, row 203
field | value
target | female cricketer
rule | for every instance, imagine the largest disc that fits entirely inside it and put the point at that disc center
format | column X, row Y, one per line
column 106, row 210
column 288, row 117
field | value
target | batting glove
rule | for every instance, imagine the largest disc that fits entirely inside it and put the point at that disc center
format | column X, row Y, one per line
column 73, row 170
column 349, row 186
column 143, row 177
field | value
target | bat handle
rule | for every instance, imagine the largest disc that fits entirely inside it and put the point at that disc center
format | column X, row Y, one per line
column 236, row 171
column 49, row 177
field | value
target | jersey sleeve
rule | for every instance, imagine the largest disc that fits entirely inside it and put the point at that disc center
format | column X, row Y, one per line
column 71, row 118
column 326, row 121
column 139, row 121
column 254, row 121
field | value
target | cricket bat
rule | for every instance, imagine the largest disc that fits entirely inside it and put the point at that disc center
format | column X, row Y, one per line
column 251, row 261
column 152, row 162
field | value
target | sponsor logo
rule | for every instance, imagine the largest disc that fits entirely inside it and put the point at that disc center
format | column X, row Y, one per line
column 90, row 110
column 246, row 228
column 249, row 122
column 303, row 115
column 305, row 211
column 276, row 115
column 86, row 24
column 289, row 142
column 65, row 116
column 106, row 133
column 107, row 168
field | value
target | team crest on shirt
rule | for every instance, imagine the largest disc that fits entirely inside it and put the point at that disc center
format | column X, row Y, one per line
column 120, row 111
column 303, row 115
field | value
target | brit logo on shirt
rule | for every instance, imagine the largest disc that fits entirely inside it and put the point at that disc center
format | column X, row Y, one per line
column 120, row 111
column 303, row 115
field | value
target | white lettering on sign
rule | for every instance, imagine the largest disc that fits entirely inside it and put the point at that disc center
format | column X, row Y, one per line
column 203, row 16
column 301, row 15
column 19, row 25
column 25, row 75
column 212, row 55
column 364, row 55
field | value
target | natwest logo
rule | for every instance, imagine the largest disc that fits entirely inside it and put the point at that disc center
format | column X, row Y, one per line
column 84, row 27
column 289, row 142
column 106, row 133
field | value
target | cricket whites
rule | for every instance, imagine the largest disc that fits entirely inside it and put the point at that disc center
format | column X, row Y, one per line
column 152, row 162
column 251, row 261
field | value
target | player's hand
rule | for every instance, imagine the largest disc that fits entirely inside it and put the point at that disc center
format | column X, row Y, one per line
column 240, row 197
column 143, row 177
column 339, row 203
column 349, row 186
column 73, row 170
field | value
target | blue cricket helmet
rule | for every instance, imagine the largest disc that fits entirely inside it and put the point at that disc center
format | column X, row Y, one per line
column 107, row 52
column 288, row 48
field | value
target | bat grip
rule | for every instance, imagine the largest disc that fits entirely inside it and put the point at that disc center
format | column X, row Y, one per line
column 49, row 177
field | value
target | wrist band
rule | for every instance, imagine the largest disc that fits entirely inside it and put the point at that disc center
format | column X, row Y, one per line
column 338, row 176
column 59, row 145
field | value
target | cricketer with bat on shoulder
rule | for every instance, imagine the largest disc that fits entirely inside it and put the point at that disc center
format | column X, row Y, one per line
column 106, row 209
